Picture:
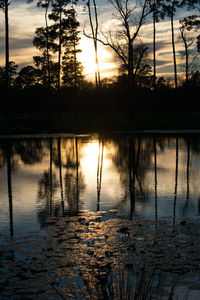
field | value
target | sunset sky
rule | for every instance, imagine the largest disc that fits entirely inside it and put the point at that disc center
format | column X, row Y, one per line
column 25, row 18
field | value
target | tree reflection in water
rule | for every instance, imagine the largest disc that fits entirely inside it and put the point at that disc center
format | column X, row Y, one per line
column 99, row 172
column 176, row 184
column 60, row 173
column 48, row 185
column 64, row 155
column 74, row 179
column 132, row 157
column 64, row 184
column 76, row 247
column 9, row 181
column 156, row 180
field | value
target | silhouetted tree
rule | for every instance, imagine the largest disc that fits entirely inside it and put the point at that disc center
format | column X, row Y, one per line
column 4, row 4
column 43, row 39
column 170, row 9
column 94, row 25
column 42, row 69
column 12, row 72
column 188, row 24
column 61, row 16
column 158, row 14
column 144, row 76
column 123, row 40
column 141, row 66
column 72, row 69
column 27, row 77
column 161, row 82
column 45, row 4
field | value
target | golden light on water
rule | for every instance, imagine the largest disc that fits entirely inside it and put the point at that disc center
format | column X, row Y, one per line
column 92, row 151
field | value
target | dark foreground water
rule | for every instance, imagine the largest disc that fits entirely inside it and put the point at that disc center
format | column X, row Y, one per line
column 93, row 217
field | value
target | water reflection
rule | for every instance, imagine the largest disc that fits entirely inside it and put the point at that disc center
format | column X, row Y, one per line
column 99, row 172
column 152, row 177
column 156, row 181
column 176, row 182
column 10, row 198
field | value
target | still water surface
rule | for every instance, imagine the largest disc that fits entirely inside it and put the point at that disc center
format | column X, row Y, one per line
column 154, row 177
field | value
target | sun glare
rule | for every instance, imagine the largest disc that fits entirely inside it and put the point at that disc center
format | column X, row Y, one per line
column 87, row 57
column 94, row 152
column 91, row 152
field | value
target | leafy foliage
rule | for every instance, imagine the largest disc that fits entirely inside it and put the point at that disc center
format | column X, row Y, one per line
column 12, row 74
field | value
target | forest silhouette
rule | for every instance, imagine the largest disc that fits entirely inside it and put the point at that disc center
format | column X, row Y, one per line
column 55, row 83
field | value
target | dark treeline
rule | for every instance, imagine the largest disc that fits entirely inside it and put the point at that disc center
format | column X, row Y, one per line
column 55, row 81
column 115, row 97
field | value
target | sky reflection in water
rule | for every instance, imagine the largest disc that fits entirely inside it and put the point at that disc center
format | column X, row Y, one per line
column 151, row 177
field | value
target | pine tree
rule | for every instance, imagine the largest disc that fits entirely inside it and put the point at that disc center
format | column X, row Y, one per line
column 44, row 41
column 71, row 67
column 61, row 16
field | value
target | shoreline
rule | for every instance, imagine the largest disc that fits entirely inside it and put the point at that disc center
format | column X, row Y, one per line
column 84, row 123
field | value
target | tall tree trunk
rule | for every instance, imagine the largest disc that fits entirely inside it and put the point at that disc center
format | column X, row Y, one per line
column 59, row 49
column 7, row 44
column 154, row 46
column 96, row 49
column 75, row 67
column 94, row 36
column 186, row 62
column 186, row 46
column 130, row 63
column 173, row 45
column 75, row 58
column 47, row 46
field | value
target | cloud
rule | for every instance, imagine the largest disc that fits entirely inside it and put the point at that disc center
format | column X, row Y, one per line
column 161, row 62
column 16, row 43
column 168, row 69
column 25, row 18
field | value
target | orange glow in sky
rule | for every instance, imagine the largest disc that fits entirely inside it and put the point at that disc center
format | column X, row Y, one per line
column 107, row 65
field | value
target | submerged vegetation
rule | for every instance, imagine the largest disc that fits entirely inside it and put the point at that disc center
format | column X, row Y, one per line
column 98, row 221
column 82, row 258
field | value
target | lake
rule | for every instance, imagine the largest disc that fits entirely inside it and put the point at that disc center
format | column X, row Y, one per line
column 115, row 189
